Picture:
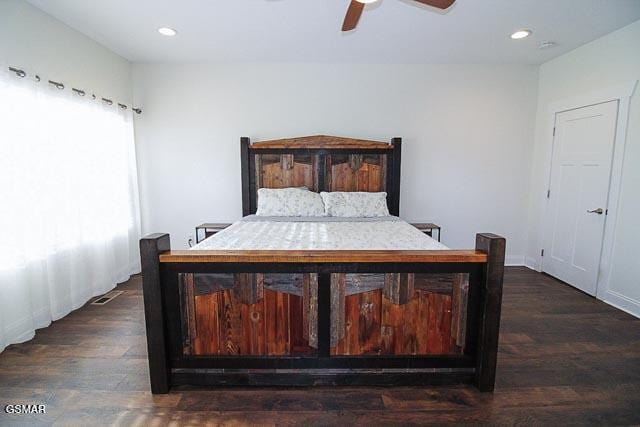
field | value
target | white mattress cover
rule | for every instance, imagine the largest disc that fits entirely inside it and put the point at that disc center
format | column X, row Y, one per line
column 320, row 233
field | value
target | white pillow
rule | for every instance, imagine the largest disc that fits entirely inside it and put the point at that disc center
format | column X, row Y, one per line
column 289, row 202
column 355, row 204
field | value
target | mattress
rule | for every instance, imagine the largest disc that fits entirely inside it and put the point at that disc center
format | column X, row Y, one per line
column 320, row 233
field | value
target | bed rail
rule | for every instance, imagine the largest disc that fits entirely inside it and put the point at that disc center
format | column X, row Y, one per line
column 324, row 256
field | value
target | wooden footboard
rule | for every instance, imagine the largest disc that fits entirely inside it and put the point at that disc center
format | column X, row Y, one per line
column 322, row 317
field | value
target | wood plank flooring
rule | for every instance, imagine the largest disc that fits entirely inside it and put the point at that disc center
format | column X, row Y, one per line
column 565, row 358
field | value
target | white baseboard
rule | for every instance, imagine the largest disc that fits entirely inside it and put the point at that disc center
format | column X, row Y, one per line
column 622, row 302
column 514, row 261
column 531, row 263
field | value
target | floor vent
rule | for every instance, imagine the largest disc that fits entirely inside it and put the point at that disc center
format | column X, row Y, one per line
column 106, row 297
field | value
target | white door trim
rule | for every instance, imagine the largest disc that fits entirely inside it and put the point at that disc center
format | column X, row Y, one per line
column 622, row 93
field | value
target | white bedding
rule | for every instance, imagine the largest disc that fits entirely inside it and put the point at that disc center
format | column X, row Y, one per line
column 320, row 233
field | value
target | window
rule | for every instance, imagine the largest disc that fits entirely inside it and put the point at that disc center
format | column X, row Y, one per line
column 69, row 215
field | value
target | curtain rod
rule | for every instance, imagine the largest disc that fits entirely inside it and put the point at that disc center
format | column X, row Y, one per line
column 21, row 73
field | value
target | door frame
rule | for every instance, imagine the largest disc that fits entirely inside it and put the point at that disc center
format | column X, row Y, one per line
column 621, row 93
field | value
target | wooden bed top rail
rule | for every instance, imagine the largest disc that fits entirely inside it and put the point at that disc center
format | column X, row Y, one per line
column 318, row 142
column 324, row 256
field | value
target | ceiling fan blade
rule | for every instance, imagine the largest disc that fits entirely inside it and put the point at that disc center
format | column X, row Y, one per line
column 440, row 4
column 353, row 15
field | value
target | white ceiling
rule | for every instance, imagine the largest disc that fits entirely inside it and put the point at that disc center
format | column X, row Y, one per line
column 390, row 31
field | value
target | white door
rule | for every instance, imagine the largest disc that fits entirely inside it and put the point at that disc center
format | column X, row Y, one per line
column 578, row 194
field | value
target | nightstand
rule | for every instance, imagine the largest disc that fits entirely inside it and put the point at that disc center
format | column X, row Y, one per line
column 428, row 228
column 209, row 229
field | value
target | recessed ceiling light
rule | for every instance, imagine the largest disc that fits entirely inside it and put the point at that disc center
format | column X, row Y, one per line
column 166, row 31
column 520, row 34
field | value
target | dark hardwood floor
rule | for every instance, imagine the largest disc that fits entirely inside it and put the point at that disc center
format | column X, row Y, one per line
column 565, row 358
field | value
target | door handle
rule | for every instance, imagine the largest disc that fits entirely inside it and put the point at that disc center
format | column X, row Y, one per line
column 598, row 211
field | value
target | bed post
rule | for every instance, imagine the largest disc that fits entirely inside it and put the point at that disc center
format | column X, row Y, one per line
column 489, row 309
column 393, row 177
column 245, row 143
column 150, row 247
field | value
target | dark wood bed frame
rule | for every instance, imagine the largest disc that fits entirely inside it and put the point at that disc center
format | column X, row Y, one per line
column 302, row 318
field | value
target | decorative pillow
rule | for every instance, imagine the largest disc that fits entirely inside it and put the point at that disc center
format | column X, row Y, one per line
column 289, row 202
column 355, row 204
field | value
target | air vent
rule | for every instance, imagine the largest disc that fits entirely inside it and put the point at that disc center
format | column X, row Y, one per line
column 102, row 300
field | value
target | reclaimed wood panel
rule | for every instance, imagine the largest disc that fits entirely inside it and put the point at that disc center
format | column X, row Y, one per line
column 369, row 318
column 271, row 326
column 277, row 323
column 371, row 313
column 312, row 310
column 187, row 303
column 409, row 342
column 434, row 282
column 287, row 170
column 459, row 300
column 231, row 323
column 362, row 325
column 300, row 338
column 376, row 325
column 248, row 287
column 422, row 346
column 338, row 295
column 253, row 337
column 207, row 338
column 392, row 320
column 399, row 287
column 357, row 283
column 209, row 283
column 355, row 172
column 435, row 335
column 352, row 325
column 288, row 283
column 306, row 304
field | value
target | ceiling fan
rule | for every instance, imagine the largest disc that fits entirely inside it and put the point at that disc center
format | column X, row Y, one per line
column 357, row 6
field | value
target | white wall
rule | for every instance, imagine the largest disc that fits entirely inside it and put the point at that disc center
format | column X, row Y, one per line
column 38, row 43
column 609, row 61
column 467, row 137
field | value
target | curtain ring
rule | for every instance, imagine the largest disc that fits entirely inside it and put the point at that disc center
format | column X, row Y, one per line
column 20, row 73
column 124, row 107
column 108, row 101
column 137, row 110
column 58, row 85
column 78, row 91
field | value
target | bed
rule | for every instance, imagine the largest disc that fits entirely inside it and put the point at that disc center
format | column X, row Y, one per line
column 303, row 301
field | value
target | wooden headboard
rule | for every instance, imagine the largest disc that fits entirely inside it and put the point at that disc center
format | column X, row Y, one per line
column 321, row 163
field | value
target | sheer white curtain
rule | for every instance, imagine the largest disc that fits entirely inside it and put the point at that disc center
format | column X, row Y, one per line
column 69, row 210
